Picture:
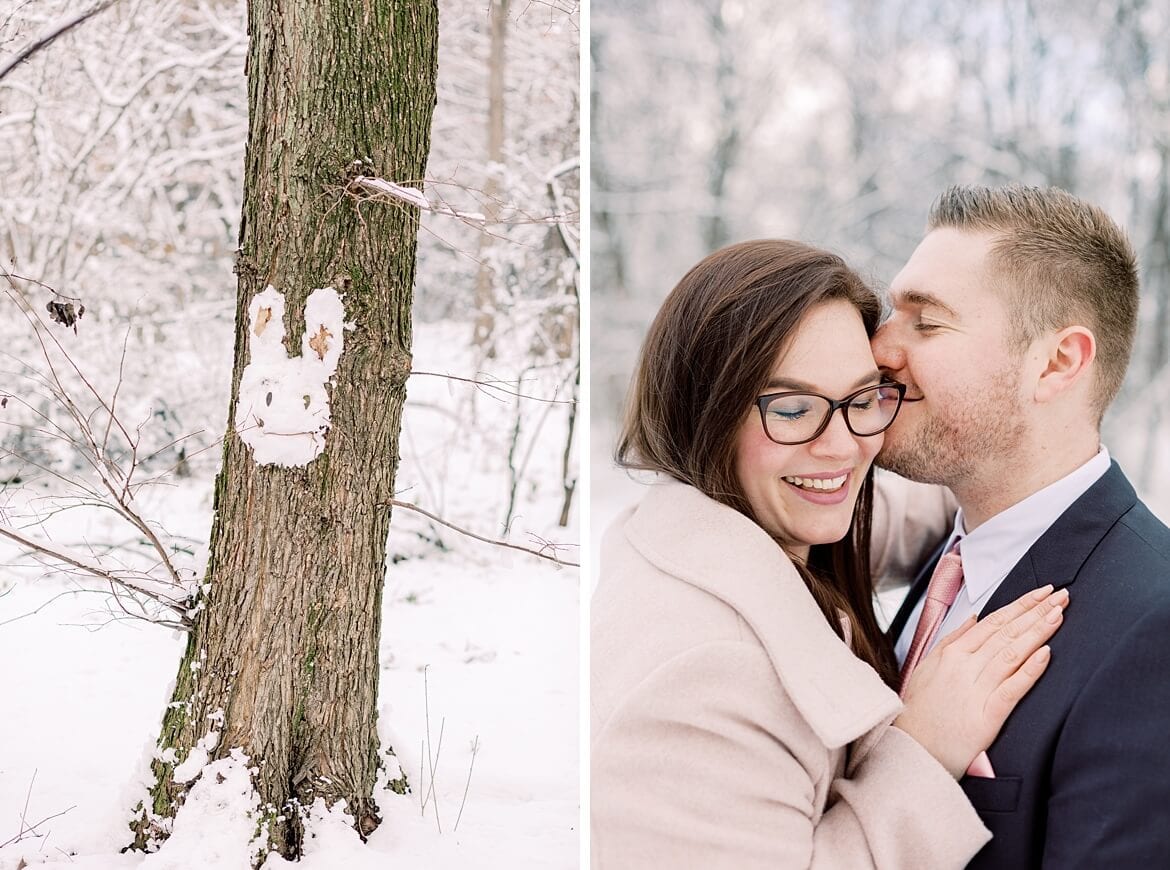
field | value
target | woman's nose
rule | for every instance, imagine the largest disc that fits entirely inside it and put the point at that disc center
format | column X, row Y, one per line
column 836, row 440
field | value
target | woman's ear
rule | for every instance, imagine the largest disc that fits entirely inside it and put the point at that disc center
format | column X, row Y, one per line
column 1071, row 352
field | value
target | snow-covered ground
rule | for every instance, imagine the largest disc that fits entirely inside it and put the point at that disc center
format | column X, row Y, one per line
column 482, row 641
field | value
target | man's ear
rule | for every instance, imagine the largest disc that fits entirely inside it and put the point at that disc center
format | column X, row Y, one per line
column 1070, row 354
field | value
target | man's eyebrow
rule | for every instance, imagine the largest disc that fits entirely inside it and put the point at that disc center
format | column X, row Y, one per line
column 922, row 299
column 788, row 384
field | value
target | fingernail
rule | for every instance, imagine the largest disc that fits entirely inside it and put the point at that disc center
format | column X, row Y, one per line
column 1043, row 654
column 1060, row 596
column 1043, row 592
column 1054, row 615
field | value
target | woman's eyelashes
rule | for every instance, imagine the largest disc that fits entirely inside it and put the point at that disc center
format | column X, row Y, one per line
column 790, row 413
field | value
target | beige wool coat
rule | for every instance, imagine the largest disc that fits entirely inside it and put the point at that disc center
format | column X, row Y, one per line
column 731, row 728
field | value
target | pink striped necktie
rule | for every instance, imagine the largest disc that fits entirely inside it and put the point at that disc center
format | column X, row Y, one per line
column 944, row 586
column 945, row 583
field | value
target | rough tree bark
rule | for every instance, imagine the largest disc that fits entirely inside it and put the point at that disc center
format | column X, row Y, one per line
column 285, row 642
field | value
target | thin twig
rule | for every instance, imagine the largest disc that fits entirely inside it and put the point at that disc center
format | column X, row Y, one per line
column 32, row 828
column 25, row 827
column 494, row 385
column 432, row 759
column 474, row 752
column 553, row 558
column 27, row 798
column 184, row 622
column 422, row 769
column 49, row 37
column 98, row 456
column 52, row 290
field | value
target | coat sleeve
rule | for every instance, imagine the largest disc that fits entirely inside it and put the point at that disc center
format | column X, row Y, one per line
column 1111, row 772
column 707, row 764
column 909, row 520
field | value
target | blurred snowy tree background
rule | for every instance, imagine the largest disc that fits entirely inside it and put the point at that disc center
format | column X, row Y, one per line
column 838, row 123
column 121, row 159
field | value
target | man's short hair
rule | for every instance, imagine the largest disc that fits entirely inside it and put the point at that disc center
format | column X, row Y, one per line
column 1058, row 261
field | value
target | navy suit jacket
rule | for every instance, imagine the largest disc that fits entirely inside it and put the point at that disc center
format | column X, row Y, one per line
column 1083, row 763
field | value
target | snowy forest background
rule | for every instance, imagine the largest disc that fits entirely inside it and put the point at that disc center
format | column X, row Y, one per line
column 121, row 160
column 838, row 123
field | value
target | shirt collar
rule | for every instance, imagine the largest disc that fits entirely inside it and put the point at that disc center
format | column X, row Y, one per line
column 993, row 549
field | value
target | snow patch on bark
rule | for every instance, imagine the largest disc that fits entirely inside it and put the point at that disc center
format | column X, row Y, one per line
column 200, row 754
column 282, row 412
column 217, row 822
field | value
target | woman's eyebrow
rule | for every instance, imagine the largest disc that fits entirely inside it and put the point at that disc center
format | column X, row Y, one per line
column 804, row 386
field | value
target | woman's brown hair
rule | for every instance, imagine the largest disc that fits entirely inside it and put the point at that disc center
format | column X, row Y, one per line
column 708, row 355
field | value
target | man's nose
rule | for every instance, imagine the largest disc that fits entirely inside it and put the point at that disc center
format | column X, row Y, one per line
column 888, row 352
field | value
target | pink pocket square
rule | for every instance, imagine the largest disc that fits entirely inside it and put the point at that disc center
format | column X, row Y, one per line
column 981, row 766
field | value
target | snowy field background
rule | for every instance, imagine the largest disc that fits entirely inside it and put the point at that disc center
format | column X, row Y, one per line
column 494, row 632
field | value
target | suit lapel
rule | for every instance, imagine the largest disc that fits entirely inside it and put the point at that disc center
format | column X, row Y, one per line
column 1060, row 552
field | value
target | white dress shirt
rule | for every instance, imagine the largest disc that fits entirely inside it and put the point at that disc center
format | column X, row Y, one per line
column 993, row 549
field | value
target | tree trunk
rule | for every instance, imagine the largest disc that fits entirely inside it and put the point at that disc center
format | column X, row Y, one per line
column 485, row 297
column 283, row 658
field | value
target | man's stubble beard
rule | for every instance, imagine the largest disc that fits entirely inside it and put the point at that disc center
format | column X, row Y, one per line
column 976, row 439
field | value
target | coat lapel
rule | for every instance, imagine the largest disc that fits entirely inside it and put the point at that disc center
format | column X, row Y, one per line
column 1060, row 552
column 722, row 552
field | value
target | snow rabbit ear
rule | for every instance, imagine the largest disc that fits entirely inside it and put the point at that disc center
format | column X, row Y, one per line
column 282, row 412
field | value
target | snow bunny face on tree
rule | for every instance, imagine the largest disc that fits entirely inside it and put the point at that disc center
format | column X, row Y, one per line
column 283, row 408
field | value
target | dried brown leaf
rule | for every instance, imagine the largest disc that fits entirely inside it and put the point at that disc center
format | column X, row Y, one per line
column 262, row 318
column 320, row 342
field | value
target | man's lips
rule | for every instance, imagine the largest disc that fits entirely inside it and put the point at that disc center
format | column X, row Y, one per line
column 906, row 398
column 888, row 375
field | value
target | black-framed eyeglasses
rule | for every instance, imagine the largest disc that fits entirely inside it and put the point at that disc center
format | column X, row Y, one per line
column 798, row 417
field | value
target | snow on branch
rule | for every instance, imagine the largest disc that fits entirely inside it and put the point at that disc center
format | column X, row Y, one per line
column 48, row 38
column 552, row 180
column 412, row 196
column 369, row 187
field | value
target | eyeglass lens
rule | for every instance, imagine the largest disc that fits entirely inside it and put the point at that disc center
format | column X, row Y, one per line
column 798, row 416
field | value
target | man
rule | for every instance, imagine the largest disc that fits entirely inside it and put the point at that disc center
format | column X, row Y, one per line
column 1012, row 326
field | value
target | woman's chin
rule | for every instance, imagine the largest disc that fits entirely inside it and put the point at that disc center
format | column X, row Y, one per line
column 822, row 533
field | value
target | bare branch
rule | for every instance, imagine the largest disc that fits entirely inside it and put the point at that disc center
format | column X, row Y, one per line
column 557, row 193
column 25, row 827
column 367, row 187
column 52, row 290
column 495, row 385
column 540, row 553
column 97, row 571
column 52, row 35
column 97, row 454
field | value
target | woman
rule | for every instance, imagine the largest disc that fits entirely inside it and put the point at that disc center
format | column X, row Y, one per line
column 744, row 711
